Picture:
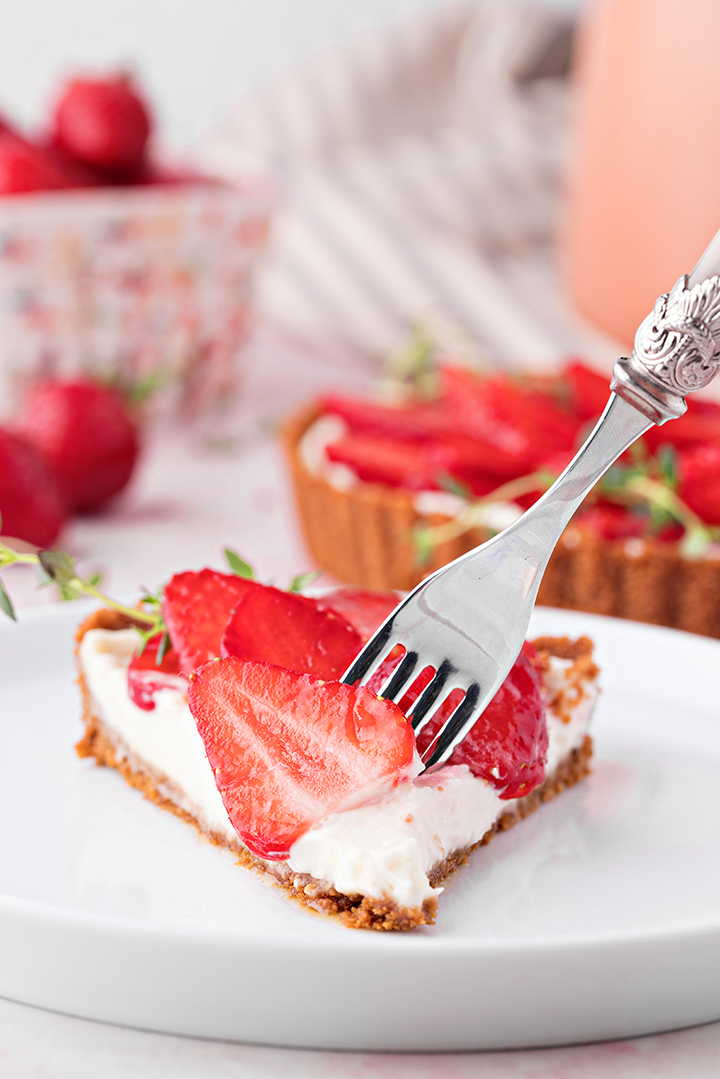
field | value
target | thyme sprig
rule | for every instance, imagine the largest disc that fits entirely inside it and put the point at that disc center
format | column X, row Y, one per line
column 648, row 483
column 427, row 537
column 664, row 505
column 58, row 567
column 412, row 369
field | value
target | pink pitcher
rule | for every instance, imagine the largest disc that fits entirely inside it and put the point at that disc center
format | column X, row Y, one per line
column 643, row 191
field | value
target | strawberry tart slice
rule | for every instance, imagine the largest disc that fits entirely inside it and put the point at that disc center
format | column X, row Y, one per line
column 233, row 717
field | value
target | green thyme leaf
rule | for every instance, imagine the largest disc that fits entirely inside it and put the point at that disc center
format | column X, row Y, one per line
column 303, row 580
column 238, row 565
column 413, row 367
column 162, row 648
column 546, row 478
column 453, row 485
column 6, row 605
column 70, row 591
column 58, row 565
column 667, row 462
column 152, row 599
column 639, row 453
column 136, row 393
column 423, row 544
column 695, row 542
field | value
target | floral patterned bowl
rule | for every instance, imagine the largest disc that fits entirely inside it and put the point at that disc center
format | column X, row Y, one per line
column 146, row 286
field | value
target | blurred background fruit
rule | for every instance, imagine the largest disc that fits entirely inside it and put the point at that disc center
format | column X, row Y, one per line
column 25, row 167
column 104, row 123
column 86, row 436
column 30, row 501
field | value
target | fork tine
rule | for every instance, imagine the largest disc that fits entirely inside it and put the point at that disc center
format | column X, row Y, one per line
column 419, row 712
column 372, row 655
column 457, row 726
column 398, row 679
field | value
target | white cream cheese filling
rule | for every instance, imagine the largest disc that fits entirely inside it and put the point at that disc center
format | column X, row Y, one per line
column 382, row 850
column 166, row 738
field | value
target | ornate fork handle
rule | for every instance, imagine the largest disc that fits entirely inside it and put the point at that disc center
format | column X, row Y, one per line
column 675, row 352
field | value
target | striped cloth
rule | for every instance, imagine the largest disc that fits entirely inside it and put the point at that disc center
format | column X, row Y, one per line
column 420, row 170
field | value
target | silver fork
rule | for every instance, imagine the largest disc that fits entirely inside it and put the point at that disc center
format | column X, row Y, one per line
column 468, row 620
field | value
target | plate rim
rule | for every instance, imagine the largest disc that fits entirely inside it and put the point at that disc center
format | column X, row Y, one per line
column 675, row 957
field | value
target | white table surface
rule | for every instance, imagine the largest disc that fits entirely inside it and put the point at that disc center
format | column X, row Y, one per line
column 187, row 503
column 42, row 1045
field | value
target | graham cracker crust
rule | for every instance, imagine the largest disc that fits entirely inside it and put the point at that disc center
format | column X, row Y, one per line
column 356, row 912
column 363, row 536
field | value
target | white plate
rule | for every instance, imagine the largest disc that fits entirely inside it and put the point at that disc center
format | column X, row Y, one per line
column 598, row 917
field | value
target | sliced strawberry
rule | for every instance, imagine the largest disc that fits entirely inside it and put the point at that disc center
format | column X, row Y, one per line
column 440, row 443
column 522, row 426
column 465, row 395
column 480, row 430
column 538, row 415
column 508, row 745
column 589, row 390
column 410, row 423
column 376, row 459
column 146, row 676
column 196, row 607
column 363, row 608
column 287, row 749
column 290, row 631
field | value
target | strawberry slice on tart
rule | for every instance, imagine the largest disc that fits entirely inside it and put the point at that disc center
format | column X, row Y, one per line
column 196, row 607
column 364, row 608
column 508, row 745
column 287, row 749
column 291, row 631
column 149, row 672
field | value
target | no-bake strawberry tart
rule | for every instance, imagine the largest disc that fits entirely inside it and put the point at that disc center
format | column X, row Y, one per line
column 233, row 718
column 389, row 492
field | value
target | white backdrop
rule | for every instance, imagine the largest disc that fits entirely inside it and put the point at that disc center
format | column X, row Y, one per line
column 195, row 56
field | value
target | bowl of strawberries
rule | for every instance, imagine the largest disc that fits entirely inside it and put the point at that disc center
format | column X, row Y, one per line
column 116, row 267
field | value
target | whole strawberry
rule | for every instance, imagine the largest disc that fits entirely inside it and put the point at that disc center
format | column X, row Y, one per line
column 103, row 123
column 25, row 167
column 85, row 434
column 30, row 503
